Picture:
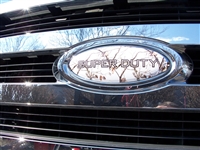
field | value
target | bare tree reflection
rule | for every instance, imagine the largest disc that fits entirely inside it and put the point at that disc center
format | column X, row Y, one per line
column 21, row 43
column 66, row 38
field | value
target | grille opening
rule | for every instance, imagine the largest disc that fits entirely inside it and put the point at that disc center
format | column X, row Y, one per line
column 193, row 51
column 22, row 69
column 172, row 128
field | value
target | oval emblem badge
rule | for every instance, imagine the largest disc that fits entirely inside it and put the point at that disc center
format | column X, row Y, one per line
column 120, row 65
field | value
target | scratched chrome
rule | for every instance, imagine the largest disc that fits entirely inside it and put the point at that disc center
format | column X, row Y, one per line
column 173, row 66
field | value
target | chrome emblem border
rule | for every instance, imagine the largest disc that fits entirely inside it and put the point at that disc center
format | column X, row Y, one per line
column 178, row 66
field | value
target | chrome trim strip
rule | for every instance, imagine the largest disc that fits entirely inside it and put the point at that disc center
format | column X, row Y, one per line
column 93, row 144
column 60, row 95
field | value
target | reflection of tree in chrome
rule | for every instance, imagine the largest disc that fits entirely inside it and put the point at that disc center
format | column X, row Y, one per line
column 66, row 38
column 21, row 43
column 153, row 65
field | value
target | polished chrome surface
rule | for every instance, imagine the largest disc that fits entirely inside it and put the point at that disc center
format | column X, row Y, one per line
column 24, row 142
column 24, row 5
column 122, row 65
column 184, row 97
column 12, row 6
column 30, row 42
column 25, row 92
column 13, row 141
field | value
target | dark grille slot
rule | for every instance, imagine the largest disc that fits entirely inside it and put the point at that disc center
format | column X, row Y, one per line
column 173, row 12
column 21, row 73
column 160, row 17
column 136, row 127
column 194, row 53
column 30, row 68
column 26, row 70
column 26, row 67
column 27, row 64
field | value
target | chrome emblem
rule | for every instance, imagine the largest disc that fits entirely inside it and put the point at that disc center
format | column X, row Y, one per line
column 120, row 65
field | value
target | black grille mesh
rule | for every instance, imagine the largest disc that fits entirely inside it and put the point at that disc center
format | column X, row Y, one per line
column 194, row 53
column 35, row 68
column 174, row 128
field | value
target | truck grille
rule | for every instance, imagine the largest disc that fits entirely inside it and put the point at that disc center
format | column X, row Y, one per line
column 37, row 66
column 128, row 126
column 194, row 52
column 30, row 68
column 135, row 13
